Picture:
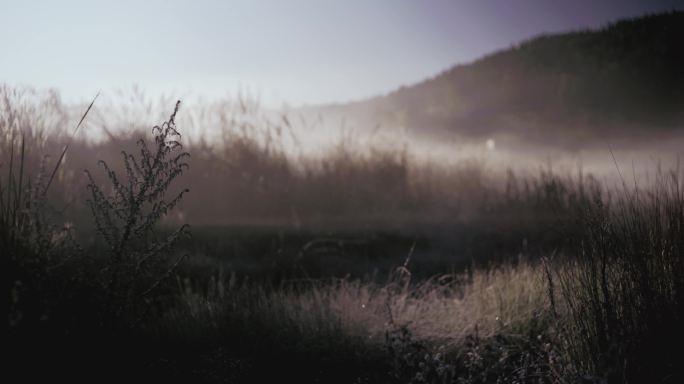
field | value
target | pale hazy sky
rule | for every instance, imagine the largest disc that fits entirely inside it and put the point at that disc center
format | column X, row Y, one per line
column 300, row 52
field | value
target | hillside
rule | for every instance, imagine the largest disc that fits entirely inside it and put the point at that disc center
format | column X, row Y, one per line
column 624, row 80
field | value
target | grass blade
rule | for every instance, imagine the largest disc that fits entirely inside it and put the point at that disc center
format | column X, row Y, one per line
column 66, row 147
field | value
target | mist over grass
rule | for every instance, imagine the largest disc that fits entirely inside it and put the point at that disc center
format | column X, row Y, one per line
column 255, row 166
column 349, row 264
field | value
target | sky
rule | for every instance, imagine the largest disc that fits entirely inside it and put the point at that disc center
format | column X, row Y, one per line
column 292, row 52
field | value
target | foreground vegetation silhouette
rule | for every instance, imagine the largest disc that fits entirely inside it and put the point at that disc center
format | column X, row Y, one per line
column 547, row 278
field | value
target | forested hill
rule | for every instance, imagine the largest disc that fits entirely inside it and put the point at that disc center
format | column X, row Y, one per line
column 624, row 79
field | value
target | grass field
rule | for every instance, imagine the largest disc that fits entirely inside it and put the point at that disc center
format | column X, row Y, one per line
column 356, row 265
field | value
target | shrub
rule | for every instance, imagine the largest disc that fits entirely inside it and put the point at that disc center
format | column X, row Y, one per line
column 127, row 218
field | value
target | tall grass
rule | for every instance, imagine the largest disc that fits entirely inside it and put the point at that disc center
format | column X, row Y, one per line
column 624, row 292
column 34, row 244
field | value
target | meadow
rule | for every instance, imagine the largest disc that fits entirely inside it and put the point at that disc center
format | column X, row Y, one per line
column 353, row 264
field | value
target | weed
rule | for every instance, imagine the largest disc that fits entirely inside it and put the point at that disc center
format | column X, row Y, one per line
column 127, row 218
